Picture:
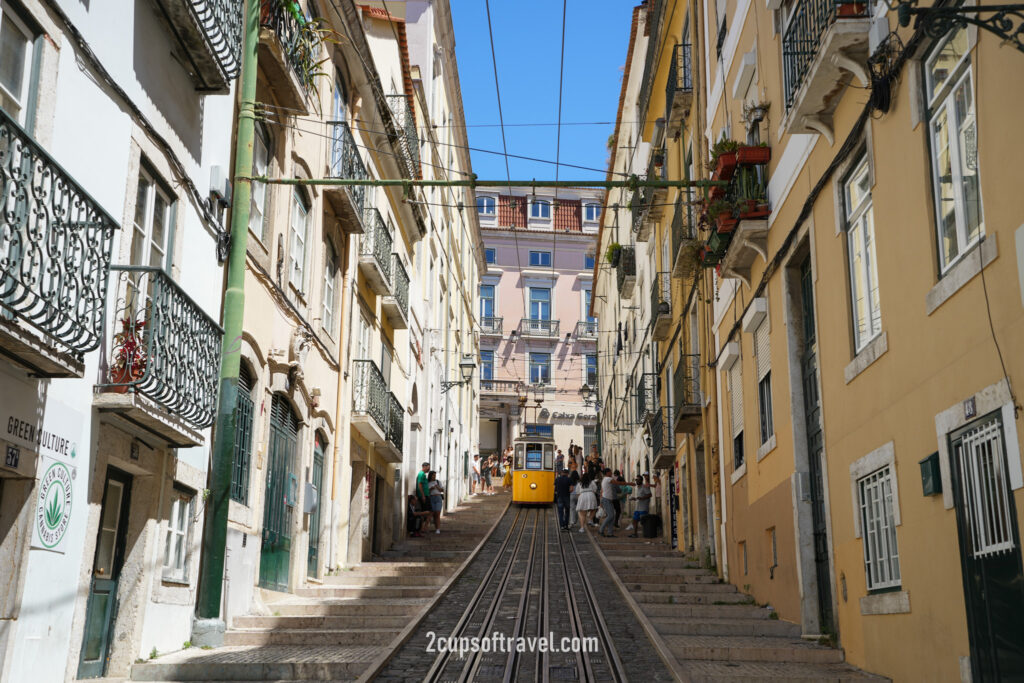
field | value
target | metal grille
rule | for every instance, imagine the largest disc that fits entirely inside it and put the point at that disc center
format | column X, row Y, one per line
column 300, row 42
column 396, row 422
column 985, row 490
column 400, row 284
column 313, row 552
column 408, row 137
column 346, row 163
column 881, row 558
column 221, row 21
column 736, row 397
column 370, row 394
column 376, row 241
column 243, row 438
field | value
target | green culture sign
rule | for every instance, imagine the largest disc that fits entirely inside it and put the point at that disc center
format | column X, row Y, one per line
column 53, row 509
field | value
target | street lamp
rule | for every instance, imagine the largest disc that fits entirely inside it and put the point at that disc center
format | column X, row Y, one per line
column 466, row 366
column 585, row 392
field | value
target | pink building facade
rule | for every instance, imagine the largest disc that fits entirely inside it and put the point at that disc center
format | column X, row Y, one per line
column 536, row 339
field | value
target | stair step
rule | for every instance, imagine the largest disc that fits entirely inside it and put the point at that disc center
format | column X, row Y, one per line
column 272, row 663
column 666, row 598
column 750, row 649
column 350, row 607
column 310, row 637
column 755, row 672
column 696, row 611
column 346, row 579
column 669, row 565
column 772, row 628
column 317, row 622
column 685, row 587
column 398, row 569
column 650, row 578
column 367, row 592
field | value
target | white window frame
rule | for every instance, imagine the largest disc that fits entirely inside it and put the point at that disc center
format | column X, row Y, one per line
column 586, row 211
column 28, row 68
column 875, row 503
column 493, row 298
column 980, row 454
column 144, row 232
column 866, row 315
column 178, row 535
column 298, row 241
column 589, row 258
column 762, row 355
column 943, row 102
column 260, row 191
column 330, row 286
column 483, row 364
column 535, row 209
column 547, row 366
column 548, row 302
column 541, row 254
column 486, row 206
column 490, row 255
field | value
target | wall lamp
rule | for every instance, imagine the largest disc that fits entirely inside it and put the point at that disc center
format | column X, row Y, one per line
column 466, row 366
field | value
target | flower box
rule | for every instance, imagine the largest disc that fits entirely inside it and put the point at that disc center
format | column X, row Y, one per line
column 754, row 155
column 847, row 10
column 726, row 223
column 725, row 166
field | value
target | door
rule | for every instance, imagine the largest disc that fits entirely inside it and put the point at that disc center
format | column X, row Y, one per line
column 540, row 309
column 275, row 552
column 990, row 554
column 317, row 479
column 815, row 446
column 101, row 608
column 486, row 303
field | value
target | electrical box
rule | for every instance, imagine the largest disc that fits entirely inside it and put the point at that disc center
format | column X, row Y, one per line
column 931, row 477
column 310, row 501
column 291, row 494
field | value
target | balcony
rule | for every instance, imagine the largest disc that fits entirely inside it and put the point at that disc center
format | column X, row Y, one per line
column 686, row 389
column 646, row 396
column 652, row 29
column 55, row 244
column 349, row 203
column 396, row 304
column 678, row 90
column 490, row 326
column 501, row 388
column 586, row 330
column 661, row 306
column 625, row 272
column 826, row 42
column 371, row 402
column 408, row 142
column 533, row 328
column 663, row 439
column 164, row 365
column 375, row 252
column 392, row 450
column 685, row 244
column 289, row 53
column 750, row 233
column 209, row 33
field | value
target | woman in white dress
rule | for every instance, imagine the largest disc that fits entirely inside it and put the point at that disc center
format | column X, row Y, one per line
column 586, row 506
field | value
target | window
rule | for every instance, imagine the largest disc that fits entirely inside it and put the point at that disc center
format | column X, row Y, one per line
column 299, row 229
column 243, row 436
column 258, row 198
column 736, row 412
column 540, row 303
column 984, row 486
column 587, row 298
column 540, row 208
column 588, row 262
column 743, row 553
column 17, row 66
column 485, row 206
column 486, row 365
column 179, row 522
column 489, row 256
column 540, row 368
column 954, row 148
column 486, row 302
column 592, row 370
column 860, row 236
column 539, row 430
column 762, row 353
column 540, row 258
column 330, row 284
column 153, row 223
column 591, row 213
column 881, row 559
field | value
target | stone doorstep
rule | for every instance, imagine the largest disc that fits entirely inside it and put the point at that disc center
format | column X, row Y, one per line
column 696, row 611
column 310, row 637
column 367, row 592
column 750, row 649
column 664, row 598
column 312, row 621
column 668, row 576
column 726, row 627
column 755, row 672
column 347, row 579
column 677, row 588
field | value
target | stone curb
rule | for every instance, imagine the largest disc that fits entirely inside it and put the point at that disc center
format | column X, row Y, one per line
column 395, row 645
column 652, row 633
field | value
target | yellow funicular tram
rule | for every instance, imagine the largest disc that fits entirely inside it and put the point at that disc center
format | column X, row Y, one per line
column 533, row 470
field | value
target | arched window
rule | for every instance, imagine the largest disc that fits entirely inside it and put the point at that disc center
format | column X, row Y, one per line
column 485, row 206
column 591, row 212
column 540, row 208
column 243, row 436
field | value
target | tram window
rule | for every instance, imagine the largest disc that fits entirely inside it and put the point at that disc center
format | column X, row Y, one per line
column 533, row 457
column 549, row 456
column 519, row 456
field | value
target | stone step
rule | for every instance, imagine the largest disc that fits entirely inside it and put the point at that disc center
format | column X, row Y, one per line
column 696, row 611
column 310, row 637
column 755, row 672
column 750, row 649
column 272, row 663
column 712, row 588
column 398, row 569
column 346, row 579
column 367, row 592
column 666, row 598
column 317, row 622
column 652, row 578
column 775, row 628
column 425, row 555
column 349, row 607
column 626, row 562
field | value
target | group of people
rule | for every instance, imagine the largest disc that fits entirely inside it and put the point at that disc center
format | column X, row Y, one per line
column 426, row 504
column 488, row 467
column 598, row 488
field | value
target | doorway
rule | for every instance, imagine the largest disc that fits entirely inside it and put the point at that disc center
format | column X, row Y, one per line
column 101, row 607
column 275, row 551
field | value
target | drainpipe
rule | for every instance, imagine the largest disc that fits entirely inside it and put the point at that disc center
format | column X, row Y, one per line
column 208, row 628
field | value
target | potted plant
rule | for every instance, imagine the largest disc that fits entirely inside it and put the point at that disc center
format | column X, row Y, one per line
column 723, row 158
column 613, row 254
column 846, row 9
column 658, row 162
column 130, row 361
column 721, row 211
column 753, row 155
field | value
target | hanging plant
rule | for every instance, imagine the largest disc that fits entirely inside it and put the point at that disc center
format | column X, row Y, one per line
column 613, row 254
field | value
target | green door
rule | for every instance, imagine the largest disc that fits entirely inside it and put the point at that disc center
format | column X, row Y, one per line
column 101, row 608
column 275, row 553
column 313, row 558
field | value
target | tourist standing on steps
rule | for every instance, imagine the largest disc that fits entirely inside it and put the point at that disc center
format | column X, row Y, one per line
column 422, row 489
column 574, row 496
column 587, row 504
column 643, row 503
column 609, row 494
column 436, row 499
column 563, row 493
column 485, row 475
column 506, row 480
column 474, row 477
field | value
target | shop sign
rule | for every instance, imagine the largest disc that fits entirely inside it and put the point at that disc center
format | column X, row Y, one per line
column 27, row 427
column 53, row 505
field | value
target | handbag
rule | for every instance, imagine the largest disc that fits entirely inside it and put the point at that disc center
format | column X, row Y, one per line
column 600, row 513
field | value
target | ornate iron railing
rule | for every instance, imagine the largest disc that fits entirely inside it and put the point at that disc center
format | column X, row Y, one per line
column 686, row 382
column 683, row 226
column 408, row 139
column 661, row 295
column 400, row 284
column 376, row 241
column 653, row 31
column 586, row 329
column 346, row 163
column 501, row 386
column 370, row 394
column 55, row 245
column 627, row 265
column 803, row 38
column 636, row 205
column 680, row 78
column 164, row 345
column 221, row 22
column 299, row 37
column 396, row 422
column 491, row 324
column 663, row 436
column 536, row 327
column 646, row 396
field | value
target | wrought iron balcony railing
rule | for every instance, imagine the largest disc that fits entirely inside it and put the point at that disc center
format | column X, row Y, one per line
column 299, row 37
column 661, row 305
column 210, row 35
column 501, row 386
column 370, row 394
column 586, row 329
column 535, row 327
column 636, row 205
column 663, row 437
column 655, row 10
column 684, row 237
column 646, row 396
column 803, row 36
column 686, row 381
column 376, row 241
column 346, row 163
column 55, row 245
column 396, row 422
column 679, row 87
column 164, row 345
column 408, row 138
column 400, row 285
column 625, row 272
column 490, row 324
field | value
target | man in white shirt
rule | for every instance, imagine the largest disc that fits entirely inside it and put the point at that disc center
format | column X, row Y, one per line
column 609, row 494
column 474, row 479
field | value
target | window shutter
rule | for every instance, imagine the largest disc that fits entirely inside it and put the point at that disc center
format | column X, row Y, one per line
column 736, row 396
column 762, row 350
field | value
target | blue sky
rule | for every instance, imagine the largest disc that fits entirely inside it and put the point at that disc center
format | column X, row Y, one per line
column 527, row 41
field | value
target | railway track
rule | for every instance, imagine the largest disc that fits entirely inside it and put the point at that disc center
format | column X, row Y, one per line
column 535, row 590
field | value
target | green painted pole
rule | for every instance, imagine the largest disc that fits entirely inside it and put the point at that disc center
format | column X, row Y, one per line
column 211, row 572
column 632, row 183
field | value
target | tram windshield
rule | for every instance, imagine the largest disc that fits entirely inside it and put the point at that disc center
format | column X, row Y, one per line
column 533, row 457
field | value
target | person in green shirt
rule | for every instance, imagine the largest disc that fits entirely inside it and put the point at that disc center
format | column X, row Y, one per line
column 422, row 487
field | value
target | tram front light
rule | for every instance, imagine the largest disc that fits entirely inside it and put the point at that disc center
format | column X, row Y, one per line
column 533, row 485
